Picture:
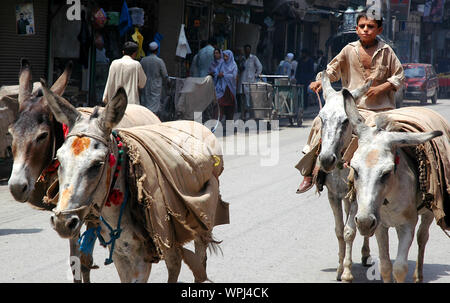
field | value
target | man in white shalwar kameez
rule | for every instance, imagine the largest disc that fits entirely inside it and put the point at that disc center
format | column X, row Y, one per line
column 252, row 69
column 127, row 73
column 156, row 72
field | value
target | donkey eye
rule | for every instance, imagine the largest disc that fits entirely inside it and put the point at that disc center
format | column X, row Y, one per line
column 97, row 165
column 42, row 137
column 385, row 177
column 95, row 168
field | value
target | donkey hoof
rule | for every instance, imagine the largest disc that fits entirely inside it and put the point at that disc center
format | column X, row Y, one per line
column 347, row 278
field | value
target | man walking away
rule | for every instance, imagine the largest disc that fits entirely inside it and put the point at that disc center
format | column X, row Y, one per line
column 156, row 72
column 127, row 73
column 252, row 69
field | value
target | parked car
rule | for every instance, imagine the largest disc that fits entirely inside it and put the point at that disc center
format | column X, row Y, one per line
column 421, row 82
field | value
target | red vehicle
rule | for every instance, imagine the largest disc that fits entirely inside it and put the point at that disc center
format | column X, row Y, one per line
column 421, row 82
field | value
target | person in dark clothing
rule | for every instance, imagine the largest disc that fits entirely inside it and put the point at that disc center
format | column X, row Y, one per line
column 305, row 73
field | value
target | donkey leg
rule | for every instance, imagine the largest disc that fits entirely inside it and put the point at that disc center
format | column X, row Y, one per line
column 173, row 258
column 336, row 206
column 405, row 235
column 422, row 239
column 349, row 237
column 382, row 236
column 132, row 269
column 75, row 265
column 200, row 252
column 365, row 252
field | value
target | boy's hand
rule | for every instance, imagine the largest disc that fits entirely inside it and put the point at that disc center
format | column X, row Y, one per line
column 316, row 86
column 377, row 90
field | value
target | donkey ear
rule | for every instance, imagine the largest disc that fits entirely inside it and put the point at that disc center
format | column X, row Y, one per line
column 114, row 110
column 356, row 120
column 63, row 111
column 25, row 86
column 60, row 85
column 360, row 91
column 399, row 139
column 328, row 90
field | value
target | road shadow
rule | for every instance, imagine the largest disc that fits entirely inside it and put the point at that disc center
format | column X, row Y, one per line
column 431, row 272
column 12, row 231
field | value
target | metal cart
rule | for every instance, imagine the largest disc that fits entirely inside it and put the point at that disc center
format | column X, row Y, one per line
column 278, row 99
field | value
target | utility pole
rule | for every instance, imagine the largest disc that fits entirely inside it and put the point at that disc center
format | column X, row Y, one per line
column 388, row 19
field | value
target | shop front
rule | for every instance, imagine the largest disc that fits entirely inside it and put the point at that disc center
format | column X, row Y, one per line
column 23, row 34
column 95, row 40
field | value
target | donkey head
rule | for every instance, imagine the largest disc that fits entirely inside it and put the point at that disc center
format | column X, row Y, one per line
column 336, row 131
column 35, row 134
column 84, row 172
column 376, row 166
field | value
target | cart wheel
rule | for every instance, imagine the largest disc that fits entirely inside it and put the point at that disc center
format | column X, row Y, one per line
column 291, row 121
column 299, row 118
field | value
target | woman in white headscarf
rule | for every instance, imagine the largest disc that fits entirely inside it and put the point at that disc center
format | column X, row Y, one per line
column 285, row 66
column 225, row 82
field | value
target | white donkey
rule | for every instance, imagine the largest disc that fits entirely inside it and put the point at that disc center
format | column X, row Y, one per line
column 386, row 184
column 85, row 179
column 336, row 135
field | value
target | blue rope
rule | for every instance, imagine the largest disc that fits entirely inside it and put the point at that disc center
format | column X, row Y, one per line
column 87, row 239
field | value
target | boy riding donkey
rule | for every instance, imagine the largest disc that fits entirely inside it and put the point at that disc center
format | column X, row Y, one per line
column 358, row 62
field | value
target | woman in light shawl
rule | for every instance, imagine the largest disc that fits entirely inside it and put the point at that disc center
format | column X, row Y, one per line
column 225, row 81
column 285, row 66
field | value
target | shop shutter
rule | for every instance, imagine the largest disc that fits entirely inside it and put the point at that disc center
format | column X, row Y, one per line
column 13, row 47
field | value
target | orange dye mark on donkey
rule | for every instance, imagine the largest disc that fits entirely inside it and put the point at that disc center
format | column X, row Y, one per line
column 65, row 197
column 372, row 158
column 80, row 144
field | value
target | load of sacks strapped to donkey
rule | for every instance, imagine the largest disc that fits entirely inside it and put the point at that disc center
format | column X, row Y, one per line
column 173, row 172
column 436, row 152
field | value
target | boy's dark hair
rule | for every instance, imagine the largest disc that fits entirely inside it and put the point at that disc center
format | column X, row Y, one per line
column 360, row 15
column 130, row 48
column 247, row 45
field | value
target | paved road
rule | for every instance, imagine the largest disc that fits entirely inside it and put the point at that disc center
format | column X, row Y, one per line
column 275, row 235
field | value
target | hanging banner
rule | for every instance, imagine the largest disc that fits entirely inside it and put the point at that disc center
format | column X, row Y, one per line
column 433, row 11
column 25, row 19
column 400, row 9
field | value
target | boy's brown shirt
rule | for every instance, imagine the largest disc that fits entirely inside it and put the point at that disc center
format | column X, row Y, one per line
column 348, row 67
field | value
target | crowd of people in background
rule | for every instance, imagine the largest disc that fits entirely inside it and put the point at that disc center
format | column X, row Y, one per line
column 144, row 81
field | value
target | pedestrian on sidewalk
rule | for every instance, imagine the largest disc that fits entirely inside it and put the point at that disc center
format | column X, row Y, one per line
column 156, row 72
column 225, row 83
column 125, row 72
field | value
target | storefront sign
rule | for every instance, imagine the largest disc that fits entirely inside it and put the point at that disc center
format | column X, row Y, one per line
column 400, row 9
column 25, row 19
